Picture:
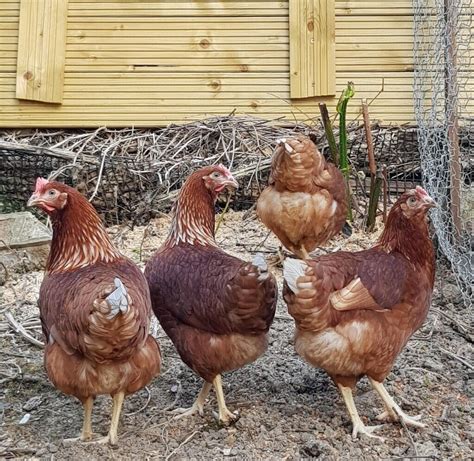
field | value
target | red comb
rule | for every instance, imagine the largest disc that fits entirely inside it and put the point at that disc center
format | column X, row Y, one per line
column 224, row 168
column 421, row 191
column 40, row 183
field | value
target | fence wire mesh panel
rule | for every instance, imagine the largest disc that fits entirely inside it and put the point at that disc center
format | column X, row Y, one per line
column 131, row 175
column 444, row 107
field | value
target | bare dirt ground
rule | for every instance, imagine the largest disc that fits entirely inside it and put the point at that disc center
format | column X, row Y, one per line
column 288, row 410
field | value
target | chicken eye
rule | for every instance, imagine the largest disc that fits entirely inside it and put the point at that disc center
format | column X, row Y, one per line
column 412, row 201
column 52, row 192
column 215, row 175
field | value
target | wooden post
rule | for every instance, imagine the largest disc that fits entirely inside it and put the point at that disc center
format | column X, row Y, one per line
column 451, row 105
column 375, row 180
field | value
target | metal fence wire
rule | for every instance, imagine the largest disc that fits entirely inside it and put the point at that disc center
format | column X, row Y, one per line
column 444, row 108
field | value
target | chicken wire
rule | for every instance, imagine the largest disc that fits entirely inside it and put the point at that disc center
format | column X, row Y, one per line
column 444, row 108
column 131, row 175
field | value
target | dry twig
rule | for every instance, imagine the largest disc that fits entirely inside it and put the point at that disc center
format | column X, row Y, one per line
column 184, row 442
column 18, row 328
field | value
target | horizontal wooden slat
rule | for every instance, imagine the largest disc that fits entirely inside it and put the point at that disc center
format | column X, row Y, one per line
column 173, row 9
column 268, row 98
column 135, row 62
column 219, row 44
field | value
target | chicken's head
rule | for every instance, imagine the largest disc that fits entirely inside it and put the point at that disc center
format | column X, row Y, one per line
column 217, row 178
column 49, row 196
column 415, row 202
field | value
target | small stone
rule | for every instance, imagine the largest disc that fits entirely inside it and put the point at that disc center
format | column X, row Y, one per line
column 52, row 448
column 41, row 452
column 316, row 448
column 33, row 403
column 174, row 388
column 433, row 365
column 305, row 437
column 451, row 292
column 427, row 449
column 25, row 419
column 226, row 451
column 397, row 451
column 438, row 436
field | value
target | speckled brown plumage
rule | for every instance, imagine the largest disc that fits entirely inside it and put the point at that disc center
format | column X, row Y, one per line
column 304, row 204
column 91, row 347
column 212, row 306
column 87, row 353
column 354, row 312
column 216, row 308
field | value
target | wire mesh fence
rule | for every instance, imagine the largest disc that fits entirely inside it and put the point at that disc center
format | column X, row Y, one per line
column 444, row 106
column 130, row 175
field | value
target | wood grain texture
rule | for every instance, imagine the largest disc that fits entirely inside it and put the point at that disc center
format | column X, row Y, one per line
column 312, row 48
column 151, row 63
column 41, row 50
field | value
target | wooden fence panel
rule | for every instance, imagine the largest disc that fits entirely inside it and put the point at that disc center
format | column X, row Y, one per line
column 312, row 48
column 41, row 50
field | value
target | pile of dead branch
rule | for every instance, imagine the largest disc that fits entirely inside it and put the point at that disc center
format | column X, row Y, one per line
column 130, row 174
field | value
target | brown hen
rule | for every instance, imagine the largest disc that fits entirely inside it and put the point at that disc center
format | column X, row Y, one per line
column 304, row 204
column 354, row 312
column 95, row 308
column 216, row 308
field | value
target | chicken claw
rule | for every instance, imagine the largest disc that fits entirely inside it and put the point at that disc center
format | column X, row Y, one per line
column 393, row 412
column 394, row 417
column 360, row 428
column 226, row 417
column 198, row 405
column 112, row 437
column 107, row 439
column 183, row 412
column 86, row 434
column 82, row 438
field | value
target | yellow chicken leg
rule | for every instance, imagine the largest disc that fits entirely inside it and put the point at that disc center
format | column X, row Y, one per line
column 226, row 417
column 198, row 405
column 358, row 427
column 393, row 412
column 86, row 434
column 117, row 403
column 304, row 254
column 87, row 424
column 116, row 410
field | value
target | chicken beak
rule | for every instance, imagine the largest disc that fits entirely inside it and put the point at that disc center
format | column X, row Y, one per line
column 231, row 182
column 33, row 201
column 428, row 202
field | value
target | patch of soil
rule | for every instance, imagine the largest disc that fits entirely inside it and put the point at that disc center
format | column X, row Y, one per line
column 288, row 410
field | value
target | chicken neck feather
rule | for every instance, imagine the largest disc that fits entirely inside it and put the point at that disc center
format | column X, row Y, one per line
column 79, row 237
column 194, row 216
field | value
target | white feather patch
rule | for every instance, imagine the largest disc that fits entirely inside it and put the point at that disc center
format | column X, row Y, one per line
column 117, row 300
column 292, row 270
column 259, row 261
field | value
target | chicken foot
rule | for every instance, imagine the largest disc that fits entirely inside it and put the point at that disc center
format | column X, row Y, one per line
column 392, row 411
column 86, row 434
column 358, row 427
column 117, row 402
column 226, row 417
column 304, row 254
column 198, row 405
